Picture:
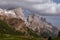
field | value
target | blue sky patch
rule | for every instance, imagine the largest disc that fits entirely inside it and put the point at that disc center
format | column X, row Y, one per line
column 57, row 1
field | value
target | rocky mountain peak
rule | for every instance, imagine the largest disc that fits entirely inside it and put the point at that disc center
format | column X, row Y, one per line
column 40, row 25
column 19, row 13
column 14, row 18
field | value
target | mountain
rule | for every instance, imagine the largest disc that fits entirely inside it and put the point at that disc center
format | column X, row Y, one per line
column 8, row 33
column 41, row 26
column 15, row 20
column 33, row 25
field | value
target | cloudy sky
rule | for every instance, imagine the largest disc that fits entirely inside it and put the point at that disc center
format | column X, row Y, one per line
column 42, row 6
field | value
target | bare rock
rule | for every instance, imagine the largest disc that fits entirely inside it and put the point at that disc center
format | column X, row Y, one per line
column 39, row 25
column 15, row 18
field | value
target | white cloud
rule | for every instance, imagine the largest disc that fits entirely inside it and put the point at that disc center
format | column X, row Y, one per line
column 43, row 6
column 41, row 1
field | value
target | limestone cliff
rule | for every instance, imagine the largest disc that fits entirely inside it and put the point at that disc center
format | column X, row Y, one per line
column 16, row 19
column 41, row 26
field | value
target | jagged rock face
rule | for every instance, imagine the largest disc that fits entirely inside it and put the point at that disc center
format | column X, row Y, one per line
column 39, row 25
column 14, row 18
column 35, row 22
column 19, row 13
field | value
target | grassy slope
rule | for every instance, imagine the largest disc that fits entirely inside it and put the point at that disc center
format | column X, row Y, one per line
column 7, row 33
column 57, row 38
column 14, row 37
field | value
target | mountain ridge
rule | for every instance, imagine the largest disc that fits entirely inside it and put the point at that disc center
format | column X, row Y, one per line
column 38, row 25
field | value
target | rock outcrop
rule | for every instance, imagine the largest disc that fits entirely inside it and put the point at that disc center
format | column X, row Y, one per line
column 15, row 18
column 40, row 25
